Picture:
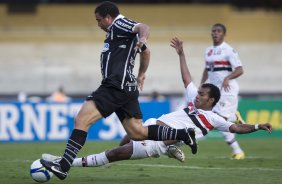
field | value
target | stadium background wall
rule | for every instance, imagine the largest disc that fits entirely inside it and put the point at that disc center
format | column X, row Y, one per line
column 21, row 122
column 61, row 44
column 250, row 25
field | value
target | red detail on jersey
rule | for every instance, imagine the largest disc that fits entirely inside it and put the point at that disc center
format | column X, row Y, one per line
column 210, row 53
column 205, row 121
column 191, row 107
column 222, row 63
column 190, row 104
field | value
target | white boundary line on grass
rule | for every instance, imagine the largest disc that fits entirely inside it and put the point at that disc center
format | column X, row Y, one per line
column 174, row 166
column 200, row 168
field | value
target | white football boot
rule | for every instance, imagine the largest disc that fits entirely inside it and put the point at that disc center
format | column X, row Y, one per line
column 50, row 158
column 175, row 152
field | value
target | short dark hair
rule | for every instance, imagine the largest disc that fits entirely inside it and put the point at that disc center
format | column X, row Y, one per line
column 107, row 8
column 220, row 25
column 213, row 93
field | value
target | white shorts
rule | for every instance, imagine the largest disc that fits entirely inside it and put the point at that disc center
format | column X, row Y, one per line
column 226, row 106
column 150, row 121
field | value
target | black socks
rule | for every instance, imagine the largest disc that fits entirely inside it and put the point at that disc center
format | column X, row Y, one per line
column 75, row 143
column 162, row 133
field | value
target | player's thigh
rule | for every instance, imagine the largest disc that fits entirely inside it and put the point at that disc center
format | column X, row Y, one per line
column 87, row 115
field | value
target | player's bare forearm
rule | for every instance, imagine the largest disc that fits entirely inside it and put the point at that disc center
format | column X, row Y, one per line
column 204, row 76
column 236, row 73
column 246, row 128
column 144, row 61
column 185, row 73
column 144, row 64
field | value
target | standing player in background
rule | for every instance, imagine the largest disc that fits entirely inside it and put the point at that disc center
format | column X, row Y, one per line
column 118, row 91
column 223, row 66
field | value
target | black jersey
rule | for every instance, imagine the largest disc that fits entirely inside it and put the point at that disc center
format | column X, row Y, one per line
column 118, row 54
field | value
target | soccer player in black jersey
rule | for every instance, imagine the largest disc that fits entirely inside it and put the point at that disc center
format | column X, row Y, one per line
column 118, row 91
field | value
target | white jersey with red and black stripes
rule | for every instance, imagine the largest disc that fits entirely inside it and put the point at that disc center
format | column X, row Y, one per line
column 220, row 61
column 191, row 117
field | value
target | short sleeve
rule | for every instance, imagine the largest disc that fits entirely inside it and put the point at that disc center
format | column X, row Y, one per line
column 221, row 124
column 126, row 25
column 191, row 92
column 234, row 58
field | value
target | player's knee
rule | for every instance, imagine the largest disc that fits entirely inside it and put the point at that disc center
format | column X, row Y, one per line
column 82, row 123
column 124, row 140
column 137, row 136
column 78, row 121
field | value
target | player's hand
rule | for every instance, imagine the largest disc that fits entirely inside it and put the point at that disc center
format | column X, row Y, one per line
column 266, row 127
column 225, row 85
column 140, row 81
column 140, row 43
column 177, row 44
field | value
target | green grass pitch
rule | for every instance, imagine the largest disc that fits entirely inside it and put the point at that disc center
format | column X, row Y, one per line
column 211, row 165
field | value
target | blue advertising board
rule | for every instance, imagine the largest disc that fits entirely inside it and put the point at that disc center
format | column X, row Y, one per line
column 54, row 121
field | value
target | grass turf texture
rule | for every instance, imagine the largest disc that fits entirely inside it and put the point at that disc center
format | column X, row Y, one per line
column 211, row 165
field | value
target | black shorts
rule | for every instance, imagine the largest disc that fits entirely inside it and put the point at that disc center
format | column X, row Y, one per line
column 109, row 99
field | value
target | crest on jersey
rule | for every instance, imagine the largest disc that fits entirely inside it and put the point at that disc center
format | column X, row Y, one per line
column 210, row 53
column 192, row 108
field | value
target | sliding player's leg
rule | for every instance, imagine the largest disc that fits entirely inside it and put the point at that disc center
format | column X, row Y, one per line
column 130, row 151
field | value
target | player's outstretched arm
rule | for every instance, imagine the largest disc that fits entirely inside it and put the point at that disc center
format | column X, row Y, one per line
column 246, row 128
column 185, row 73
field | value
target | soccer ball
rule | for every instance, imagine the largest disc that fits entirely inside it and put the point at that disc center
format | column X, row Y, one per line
column 39, row 173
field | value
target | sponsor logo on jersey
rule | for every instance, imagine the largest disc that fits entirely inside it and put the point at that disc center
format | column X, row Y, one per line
column 122, row 24
column 106, row 47
column 217, row 52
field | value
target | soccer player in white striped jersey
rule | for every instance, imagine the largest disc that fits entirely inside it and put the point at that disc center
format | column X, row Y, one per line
column 222, row 67
column 197, row 114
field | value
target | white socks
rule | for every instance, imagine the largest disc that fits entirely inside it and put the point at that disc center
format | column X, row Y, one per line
column 91, row 160
column 236, row 148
